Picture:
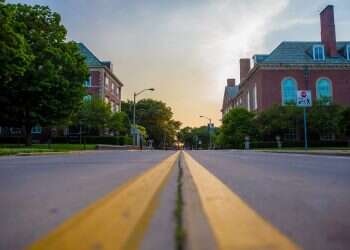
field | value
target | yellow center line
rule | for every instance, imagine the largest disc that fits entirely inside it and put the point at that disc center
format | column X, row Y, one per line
column 234, row 224
column 117, row 221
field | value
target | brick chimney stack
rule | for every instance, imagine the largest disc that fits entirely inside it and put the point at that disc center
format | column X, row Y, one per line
column 231, row 82
column 328, row 31
column 244, row 65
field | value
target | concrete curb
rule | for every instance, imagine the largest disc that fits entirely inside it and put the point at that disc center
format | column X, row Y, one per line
column 307, row 153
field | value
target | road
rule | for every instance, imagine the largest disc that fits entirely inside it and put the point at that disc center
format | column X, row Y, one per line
column 39, row 192
column 306, row 197
column 288, row 198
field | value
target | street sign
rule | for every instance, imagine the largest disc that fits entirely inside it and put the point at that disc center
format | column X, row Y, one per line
column 304, row 98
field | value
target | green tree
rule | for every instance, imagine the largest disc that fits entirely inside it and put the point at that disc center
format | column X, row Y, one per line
column 157, row 118
column 185, row 136
column 119, row 123
column 95, row 116
column 345, row 122
column 50, row 89
column 324, row 118
column 279, row 120
column 237, row 124
column 15, row 54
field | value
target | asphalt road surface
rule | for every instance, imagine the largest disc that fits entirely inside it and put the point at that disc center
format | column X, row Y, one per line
column 39, row 192
column 306, row 197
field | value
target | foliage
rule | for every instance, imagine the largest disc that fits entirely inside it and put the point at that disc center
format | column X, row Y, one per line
column 157, row 118
column 118, row 123
column 95, row 115
column 236, row 125
column 15, row 55
column 324, row 118
column 277, row 120
column 344, row 122
column 49, row 89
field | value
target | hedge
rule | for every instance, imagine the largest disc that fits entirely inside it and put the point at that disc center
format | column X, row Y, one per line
column 110, row 140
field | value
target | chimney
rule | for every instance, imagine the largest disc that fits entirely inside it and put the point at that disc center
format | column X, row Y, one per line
column 328, row 31
column 244, row 65
column 231, row 82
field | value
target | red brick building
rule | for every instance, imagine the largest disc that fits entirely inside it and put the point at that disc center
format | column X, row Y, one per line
column 321, row 66
column 102, row 83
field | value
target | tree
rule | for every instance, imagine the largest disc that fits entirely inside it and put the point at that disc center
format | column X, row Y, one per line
column 278, row 120
column 15, row 55
column 95, row 115
column 345, row 122
column 237, row 124
column 49, row 89
column 324, row 118
column 157, row 118
column 185, row 136
column 119, row 123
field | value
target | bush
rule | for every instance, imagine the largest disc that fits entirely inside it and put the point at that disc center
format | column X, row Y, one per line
column 12, row 140
column 110, row 140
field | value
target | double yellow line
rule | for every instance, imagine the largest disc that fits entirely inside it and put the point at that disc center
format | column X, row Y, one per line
column 117, row 221
column 235, row 225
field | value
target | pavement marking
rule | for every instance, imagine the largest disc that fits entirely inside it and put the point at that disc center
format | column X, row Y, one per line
column 235, row 225
column 116, row 221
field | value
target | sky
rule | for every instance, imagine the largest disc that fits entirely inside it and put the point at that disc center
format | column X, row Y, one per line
column 186, row 49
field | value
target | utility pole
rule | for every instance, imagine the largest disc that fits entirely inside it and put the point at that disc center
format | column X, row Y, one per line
column 134, row 131
column 209, row 130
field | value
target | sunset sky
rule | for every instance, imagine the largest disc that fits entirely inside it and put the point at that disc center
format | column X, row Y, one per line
column 186, row 49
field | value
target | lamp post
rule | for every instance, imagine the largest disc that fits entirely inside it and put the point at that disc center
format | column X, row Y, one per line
column 134, row 113
column 209, row 130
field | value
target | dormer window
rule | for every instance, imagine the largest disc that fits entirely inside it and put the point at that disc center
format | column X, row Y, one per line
column 348, row 51
column 318, row 52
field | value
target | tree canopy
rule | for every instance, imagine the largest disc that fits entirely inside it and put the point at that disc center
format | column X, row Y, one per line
column 45, row 87
column 236, row 125
column 157, row 118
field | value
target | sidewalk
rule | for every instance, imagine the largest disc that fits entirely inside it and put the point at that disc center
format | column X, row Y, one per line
column 335, row 152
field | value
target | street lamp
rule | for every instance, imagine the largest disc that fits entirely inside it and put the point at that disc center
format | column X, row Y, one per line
column 209, row 129
column 134, row 115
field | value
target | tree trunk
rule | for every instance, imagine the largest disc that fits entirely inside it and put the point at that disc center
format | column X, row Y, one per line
column 28, row 135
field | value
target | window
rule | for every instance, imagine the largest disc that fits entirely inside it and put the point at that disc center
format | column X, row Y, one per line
column 87, row 83
column 87, row 98
column 106, row 100
column 248, row 100
column 348, row 51
column 255, row 98
column 289, row 91
column 318, row 52
column 36, row 130
column 324, row 89
column 107, row 83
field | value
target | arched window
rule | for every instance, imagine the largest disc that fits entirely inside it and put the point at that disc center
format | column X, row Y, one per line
column 289, row 91
column 87, row 98
column 324, row 89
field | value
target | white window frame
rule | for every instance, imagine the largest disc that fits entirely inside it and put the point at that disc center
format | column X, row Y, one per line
column 314, row 52
column 106, row 82
column 282, row 88
column 36, row 130
column 348, row 51
column 87, row 98
column 248, row 100
column 255, row 97
column 87, row 83
column 318, row 97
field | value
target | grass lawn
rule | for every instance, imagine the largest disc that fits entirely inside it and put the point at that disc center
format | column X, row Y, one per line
column 13, row 149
